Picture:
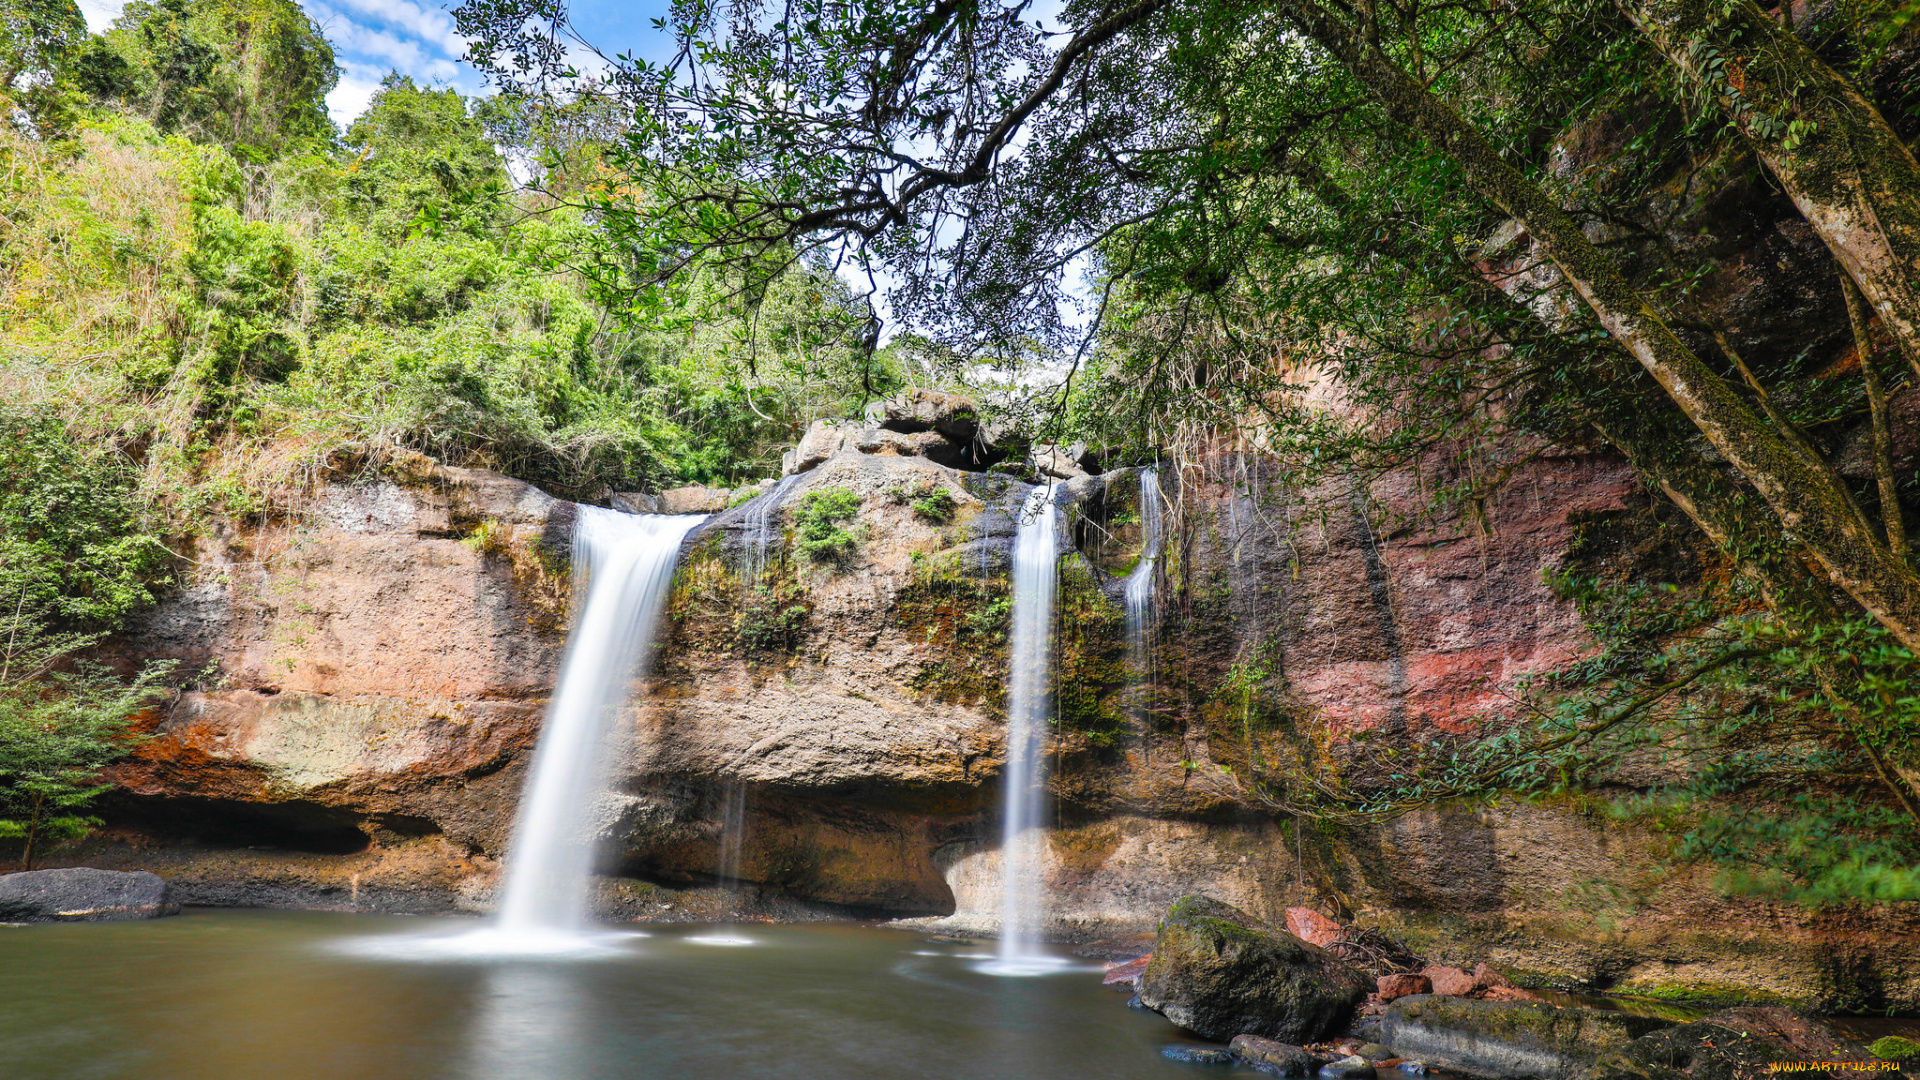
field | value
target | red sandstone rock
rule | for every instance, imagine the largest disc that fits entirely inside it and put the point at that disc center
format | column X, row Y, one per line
column 1450, row 981
column 1399, row 986
column 1486, row 978
column 1126, row 972
column 1312, row 927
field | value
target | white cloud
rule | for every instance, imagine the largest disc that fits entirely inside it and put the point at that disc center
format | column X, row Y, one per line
column 99, row 13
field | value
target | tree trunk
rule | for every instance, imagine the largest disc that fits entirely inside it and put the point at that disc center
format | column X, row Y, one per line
column 1812, row 504
column 1857, row 184
column 1882, row 425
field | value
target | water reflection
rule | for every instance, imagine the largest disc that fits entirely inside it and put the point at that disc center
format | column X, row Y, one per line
column 529, row 1020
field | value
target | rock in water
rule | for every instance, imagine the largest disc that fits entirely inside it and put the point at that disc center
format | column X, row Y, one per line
column 82, row 894
column 1735, row 1043
column 1276, row 1058
column 1197, row 1055
column 1219, row 972
column 1509, row 1039
column 1349, row 1068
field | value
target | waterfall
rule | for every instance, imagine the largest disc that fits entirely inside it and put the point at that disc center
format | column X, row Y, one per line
column 1140, row 596
column 627, row 561
column 1029, row 701
column 757, row 527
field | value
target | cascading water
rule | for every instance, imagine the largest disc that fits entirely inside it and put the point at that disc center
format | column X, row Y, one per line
column 628, row 563
column 625, row 562
column 1140, row 595
column 1029, row 701
column 758, row 526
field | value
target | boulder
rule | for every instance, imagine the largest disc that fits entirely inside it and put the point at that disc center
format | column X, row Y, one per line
column 1531, row 1040
column 1218, row 972
column 1051, row 460
column 1394, row 987
column 83, row 894
column 1276, row 1058
column 693, row 499
column 823, row 439
column 1449, row 981
column 912, row 411
column 1485, row 978
column 1735, row 1044
column 931, row 445
column 1310, row 926
column 636, row 502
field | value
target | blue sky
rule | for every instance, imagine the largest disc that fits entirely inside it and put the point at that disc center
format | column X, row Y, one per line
column 415, row 37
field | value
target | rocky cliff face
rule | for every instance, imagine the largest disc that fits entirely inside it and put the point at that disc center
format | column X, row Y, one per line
column 376, row 671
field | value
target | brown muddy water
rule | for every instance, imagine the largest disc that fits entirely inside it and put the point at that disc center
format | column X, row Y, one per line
column 235, row 995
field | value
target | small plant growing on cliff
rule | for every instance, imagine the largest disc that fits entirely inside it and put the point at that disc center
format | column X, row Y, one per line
column 820, row 518
column 771, row 619
column 929, row 500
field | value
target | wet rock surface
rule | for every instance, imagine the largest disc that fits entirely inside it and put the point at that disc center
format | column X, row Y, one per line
column 1519, row 1040
column 1277, row 1058
column 1735, row 1044
column 83, row 894
column 1218, row 972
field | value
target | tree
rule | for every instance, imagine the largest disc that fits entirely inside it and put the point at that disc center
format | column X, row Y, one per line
column 251, row 75
column 421, row 160
column 74, row 562
column 35, row 37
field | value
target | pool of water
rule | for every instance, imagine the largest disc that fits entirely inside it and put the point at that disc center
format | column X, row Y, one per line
column 226, row 995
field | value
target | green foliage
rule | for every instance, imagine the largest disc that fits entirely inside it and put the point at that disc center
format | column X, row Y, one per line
column 771, row 618
column 36, row 37
column 421, row 163
column 71, row 547
column 819, row 519
column 929, row 500
column 249, row 75
column 73, row 563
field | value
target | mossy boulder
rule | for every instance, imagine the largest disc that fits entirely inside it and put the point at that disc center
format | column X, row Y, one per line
column 1737, row 1044
column 1219, row 972
column 1509, row 1039
column 1895, row 1048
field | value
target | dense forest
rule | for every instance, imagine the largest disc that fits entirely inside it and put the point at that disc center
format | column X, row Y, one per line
column 1353, row 238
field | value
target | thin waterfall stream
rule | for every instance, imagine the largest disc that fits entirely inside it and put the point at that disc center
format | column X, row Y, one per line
column 1139, row 595
column 1029, row 707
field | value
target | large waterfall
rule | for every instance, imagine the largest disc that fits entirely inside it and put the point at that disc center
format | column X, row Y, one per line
column 1029, row 705
column 627, row 561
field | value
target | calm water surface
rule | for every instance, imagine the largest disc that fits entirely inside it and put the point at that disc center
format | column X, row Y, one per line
column 224, row 995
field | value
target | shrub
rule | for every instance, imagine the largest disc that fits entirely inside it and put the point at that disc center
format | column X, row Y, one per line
column 820, row 518
column 930, row 501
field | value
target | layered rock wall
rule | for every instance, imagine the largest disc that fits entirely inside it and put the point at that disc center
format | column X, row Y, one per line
column 378, row 666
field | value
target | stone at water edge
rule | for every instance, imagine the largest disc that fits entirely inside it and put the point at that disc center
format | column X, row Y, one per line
column 1391, row 988
column 1219, row 972
column 83, row 894
column 1349, row 1068
column 1127, row 972
column 1197, row 1055
column 1517, row 1040
column 1276, row 1058
column 1738, row 1043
